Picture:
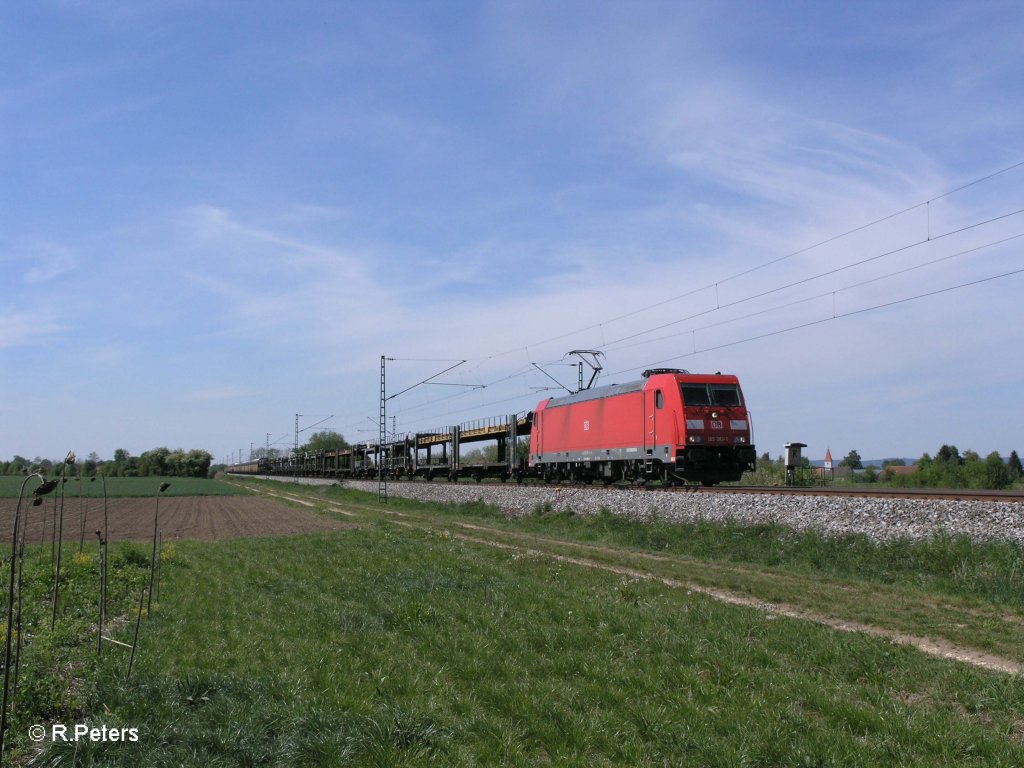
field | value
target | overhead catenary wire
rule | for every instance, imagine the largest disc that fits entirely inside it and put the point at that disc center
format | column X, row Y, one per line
column 819, row 321
column 851, row 313
column 719, row 306
column 619, row 343
column 804, row 300
column 424, row 381
column 761, row 294
column 829, row 240
column 780, row 331
column 827, row 273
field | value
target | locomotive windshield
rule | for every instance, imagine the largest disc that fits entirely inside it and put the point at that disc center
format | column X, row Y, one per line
column 711, row 394
column 725, row 394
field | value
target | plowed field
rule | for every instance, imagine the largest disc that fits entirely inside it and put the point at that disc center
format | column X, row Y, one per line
column 188, row 517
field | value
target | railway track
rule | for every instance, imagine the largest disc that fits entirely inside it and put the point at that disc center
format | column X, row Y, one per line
column 945, row 494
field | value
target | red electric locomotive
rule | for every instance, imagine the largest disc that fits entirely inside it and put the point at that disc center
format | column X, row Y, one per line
column 671, row 425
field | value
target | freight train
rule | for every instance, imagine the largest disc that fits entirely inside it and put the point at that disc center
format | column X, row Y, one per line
column 670, row 426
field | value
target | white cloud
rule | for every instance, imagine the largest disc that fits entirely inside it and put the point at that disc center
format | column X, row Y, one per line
column 19, row 328
column 528, row 180
column 43, row 261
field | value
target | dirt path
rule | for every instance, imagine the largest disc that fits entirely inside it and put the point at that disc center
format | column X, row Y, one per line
column 205, row 518
column 534, row 545
column 930, row 645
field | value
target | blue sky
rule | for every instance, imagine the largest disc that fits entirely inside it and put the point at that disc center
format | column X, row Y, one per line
column 214, row 216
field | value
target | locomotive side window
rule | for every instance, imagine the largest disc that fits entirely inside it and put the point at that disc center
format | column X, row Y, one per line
column 659, row 401
column 725, row 394
column 695, row 394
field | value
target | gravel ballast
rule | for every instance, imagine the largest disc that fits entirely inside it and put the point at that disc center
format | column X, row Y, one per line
column 879, row 519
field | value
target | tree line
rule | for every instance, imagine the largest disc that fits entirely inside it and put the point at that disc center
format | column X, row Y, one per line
column 158, row 462
column 947, row 469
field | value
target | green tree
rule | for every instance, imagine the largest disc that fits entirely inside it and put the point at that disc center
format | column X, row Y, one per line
column 767, row 472
column 197, row 463
column 266, row 453
column 487, row 455
column 1014, row 466
column 91, row 462
column 328, row 439
column 120, row 465
column 997, row 474
column 852, row 461
column 152, row 462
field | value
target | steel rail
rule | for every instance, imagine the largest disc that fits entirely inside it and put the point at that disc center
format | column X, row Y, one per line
column 943, row 494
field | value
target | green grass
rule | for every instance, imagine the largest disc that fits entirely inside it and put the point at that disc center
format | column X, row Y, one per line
column 58, row 666
column 952, row 565
column 124, row 487
column 971, row 600
column 946, row 565
column 391, row 645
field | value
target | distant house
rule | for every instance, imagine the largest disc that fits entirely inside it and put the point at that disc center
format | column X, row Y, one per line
column 901, row 471
column 825, row 472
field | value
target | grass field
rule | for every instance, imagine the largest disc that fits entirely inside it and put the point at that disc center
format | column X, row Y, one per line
column 403, row 642
column 125, row 487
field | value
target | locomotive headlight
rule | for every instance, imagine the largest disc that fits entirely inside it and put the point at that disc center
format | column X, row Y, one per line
column 695, row 439
column 739, row 439
column 714, row 414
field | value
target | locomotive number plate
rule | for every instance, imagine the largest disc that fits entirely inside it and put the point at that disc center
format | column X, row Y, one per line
column 716, row 425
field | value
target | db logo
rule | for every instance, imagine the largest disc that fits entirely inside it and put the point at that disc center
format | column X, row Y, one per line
column 716, row 425
column 586, row 425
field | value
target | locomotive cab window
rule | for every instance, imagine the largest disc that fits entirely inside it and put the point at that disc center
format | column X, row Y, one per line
column 695, row 394
column 711, row 394
column 725, row 394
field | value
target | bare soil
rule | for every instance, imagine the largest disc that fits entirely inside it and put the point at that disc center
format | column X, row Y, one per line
column 204, row 518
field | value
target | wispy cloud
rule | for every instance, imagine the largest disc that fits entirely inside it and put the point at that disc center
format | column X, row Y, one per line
column 46, row 261
column 19, row 328
column 250, row 231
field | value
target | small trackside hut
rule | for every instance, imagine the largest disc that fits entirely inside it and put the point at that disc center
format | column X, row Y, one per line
column 671, row 425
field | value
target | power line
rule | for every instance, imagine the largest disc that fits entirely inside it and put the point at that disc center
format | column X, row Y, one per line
column 820, row 275
column 799, row 326
column 715, row 284
column 860, row 262
column 851, row 313
column 426, row 380
column 770, row 262
column 824, row 294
